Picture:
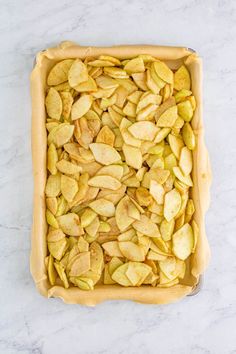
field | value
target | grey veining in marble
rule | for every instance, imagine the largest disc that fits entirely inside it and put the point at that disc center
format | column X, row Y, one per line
column 30, row 323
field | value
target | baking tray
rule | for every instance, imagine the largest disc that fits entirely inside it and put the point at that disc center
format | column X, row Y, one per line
column 195, row 290
column 198, row 286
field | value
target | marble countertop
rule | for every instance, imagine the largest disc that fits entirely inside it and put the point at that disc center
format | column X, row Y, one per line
column 30, row 323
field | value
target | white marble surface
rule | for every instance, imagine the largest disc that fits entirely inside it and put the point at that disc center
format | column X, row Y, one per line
column 30, row 323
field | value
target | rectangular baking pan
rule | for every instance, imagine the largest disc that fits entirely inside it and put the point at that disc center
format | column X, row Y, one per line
column 174, row 56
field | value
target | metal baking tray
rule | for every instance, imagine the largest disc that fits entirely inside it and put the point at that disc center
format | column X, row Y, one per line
column 198, row 286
